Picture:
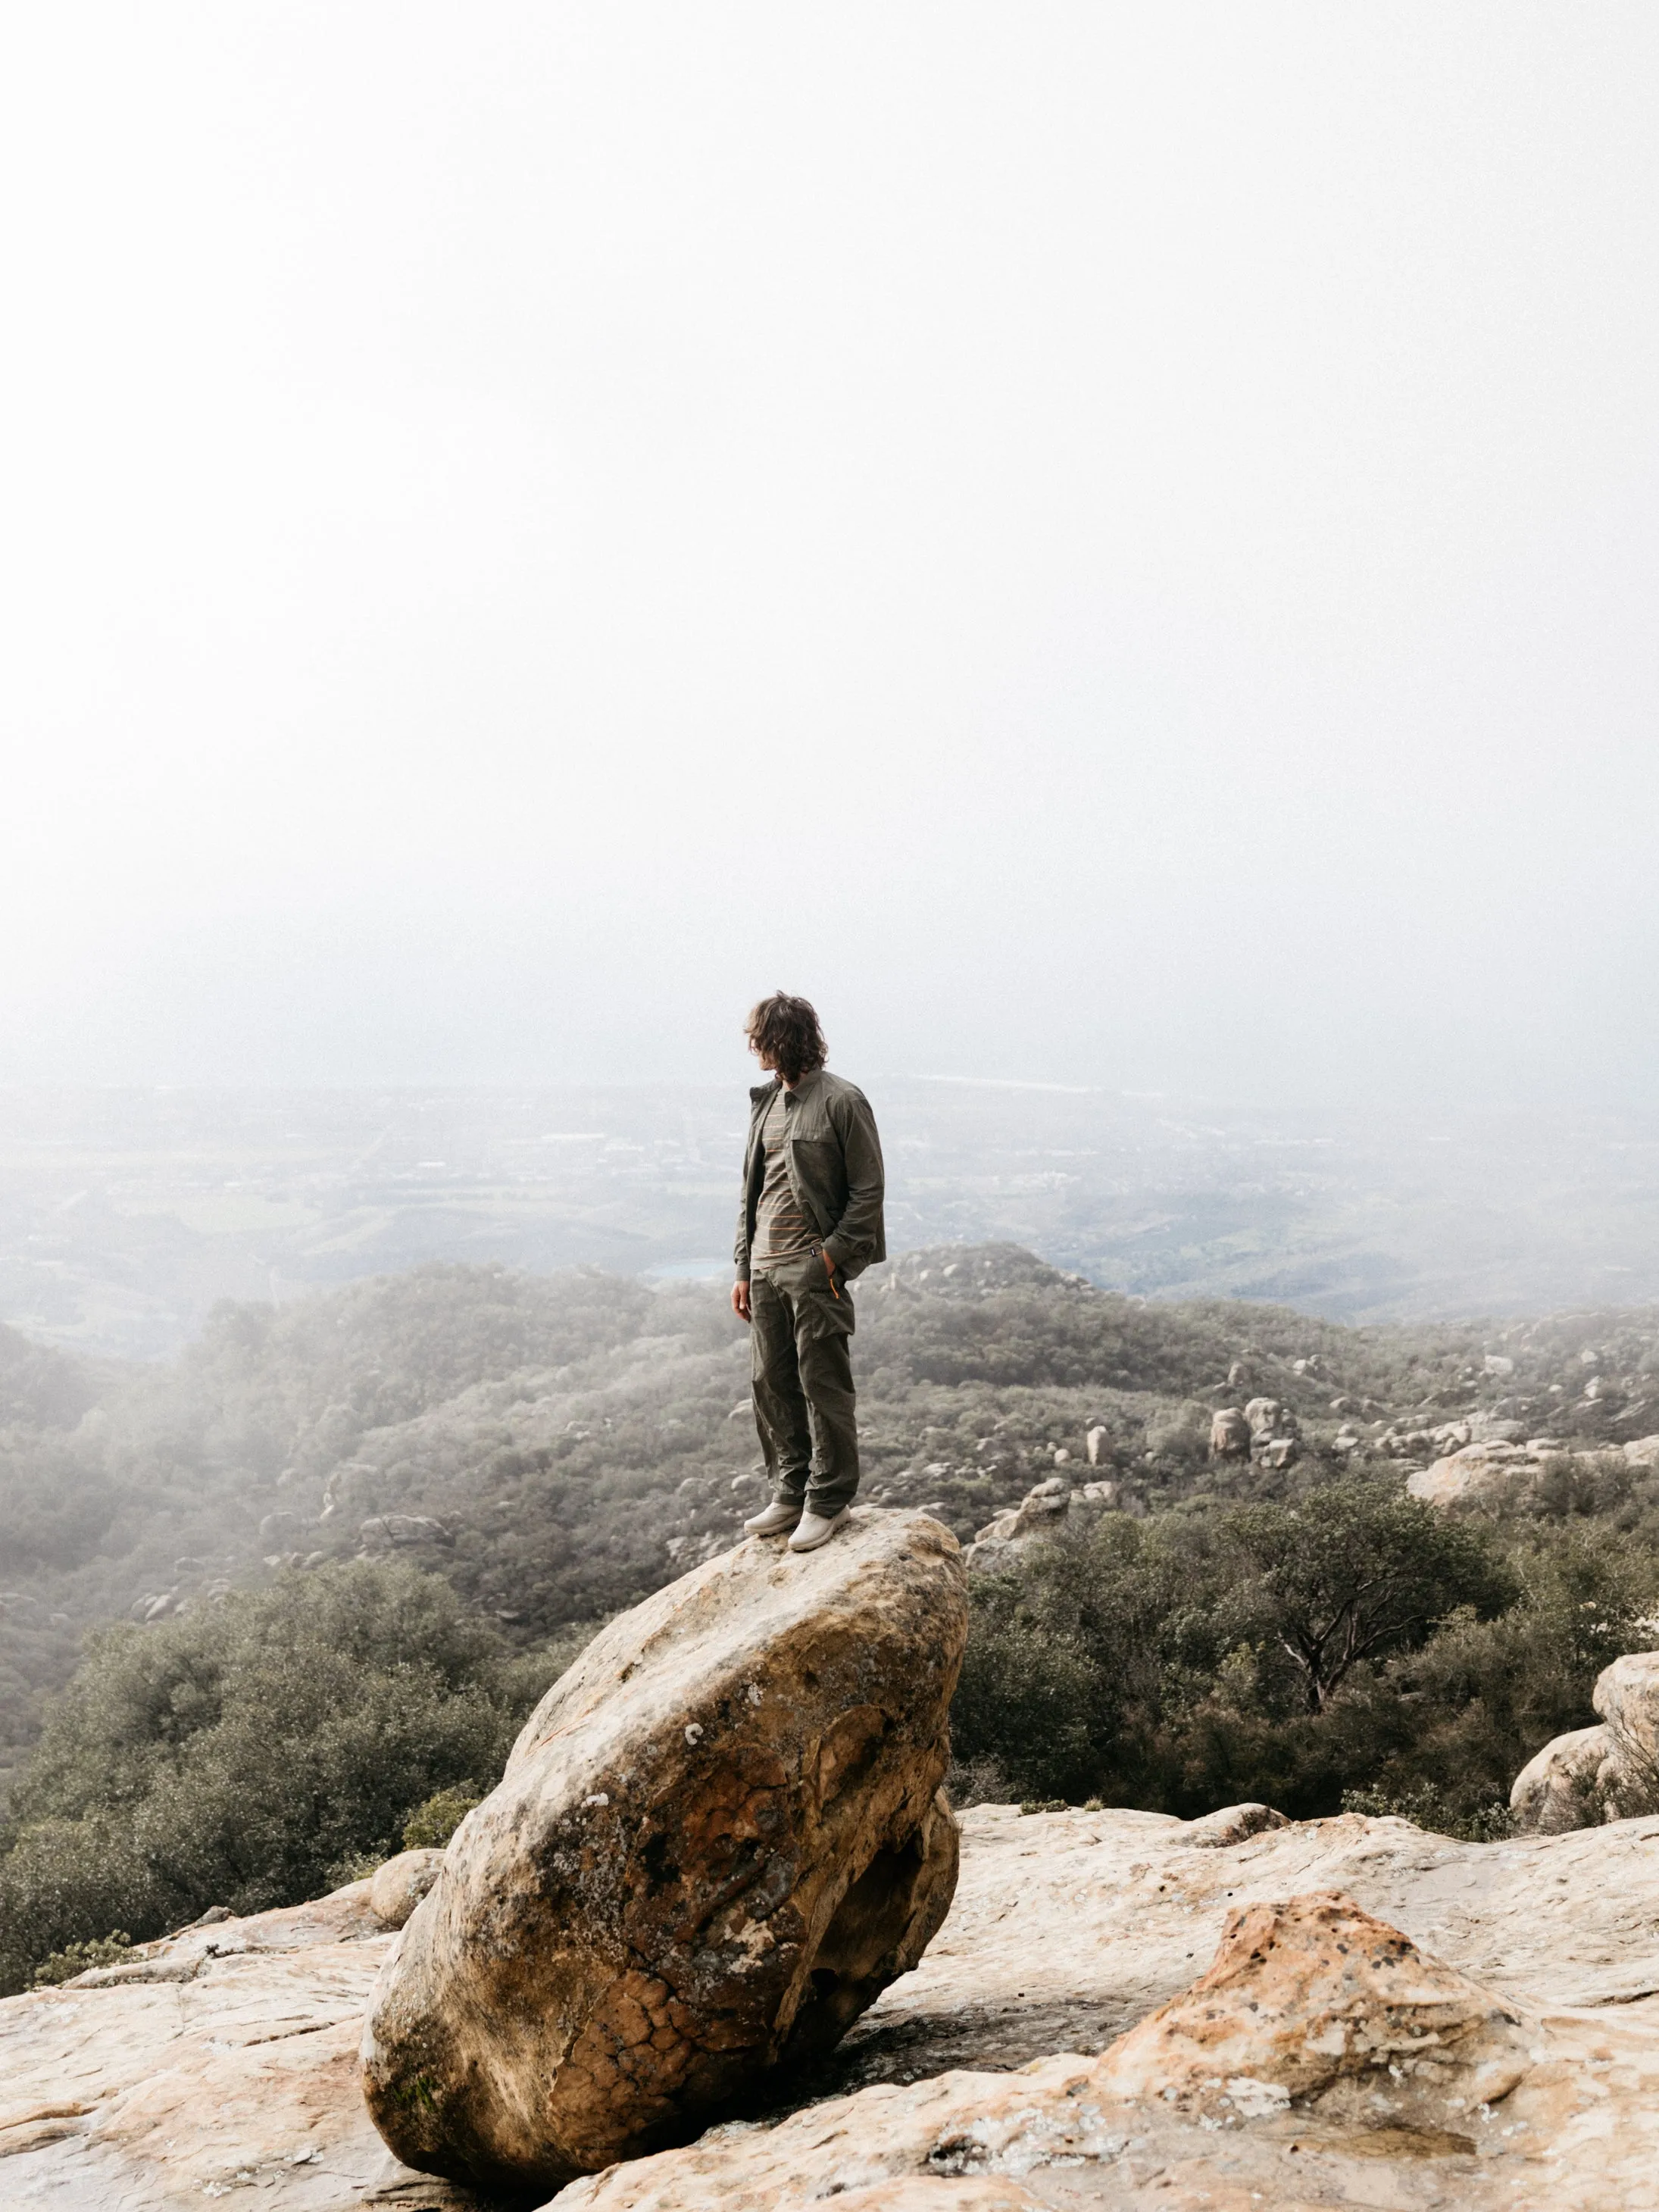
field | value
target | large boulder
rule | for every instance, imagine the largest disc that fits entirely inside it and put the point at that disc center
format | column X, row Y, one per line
column 1558, row 1788
column 1230, row 1434
column 1626, row 1695
column 398, row 1885
column 719, row 1837
column 1268, row 1419
column 1598, row 1773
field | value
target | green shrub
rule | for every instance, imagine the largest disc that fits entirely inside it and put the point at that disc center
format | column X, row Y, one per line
column 1026, row 1697
column 1355, row 1571
column 1426, row 1807
column 79, row 1957
column 1296, row 1653
column 430, row 1827
column 243, row 1755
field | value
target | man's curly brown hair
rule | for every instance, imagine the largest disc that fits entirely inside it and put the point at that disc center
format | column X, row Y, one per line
column 786, row 1031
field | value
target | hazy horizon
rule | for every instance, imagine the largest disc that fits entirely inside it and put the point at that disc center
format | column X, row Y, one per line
column 1108, row 547
column 129, row 1214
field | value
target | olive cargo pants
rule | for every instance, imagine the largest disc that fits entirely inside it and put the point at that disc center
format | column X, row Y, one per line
column 801, row 1329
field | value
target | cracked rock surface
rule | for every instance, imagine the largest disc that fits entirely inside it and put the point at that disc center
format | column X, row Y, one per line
column 1321, row 2059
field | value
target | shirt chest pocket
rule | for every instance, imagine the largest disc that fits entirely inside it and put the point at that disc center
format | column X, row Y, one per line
column 817, row 1164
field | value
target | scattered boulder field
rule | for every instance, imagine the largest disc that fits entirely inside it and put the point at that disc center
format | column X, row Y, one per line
column 716, row 1944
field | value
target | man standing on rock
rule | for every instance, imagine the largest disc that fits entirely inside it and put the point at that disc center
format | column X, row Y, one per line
column 809, row 1219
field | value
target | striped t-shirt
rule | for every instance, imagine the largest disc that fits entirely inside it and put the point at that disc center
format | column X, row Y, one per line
column 781, row 1229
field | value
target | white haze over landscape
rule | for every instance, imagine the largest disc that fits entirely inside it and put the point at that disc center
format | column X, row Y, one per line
column 1109, row 546
column 1114, row 548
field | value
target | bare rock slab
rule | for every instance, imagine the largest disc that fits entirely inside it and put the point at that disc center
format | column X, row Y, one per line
column 1069, row 1928
column 220, row 2060
column 719, row 1837
column 1322, row 2059
column 224, row 2058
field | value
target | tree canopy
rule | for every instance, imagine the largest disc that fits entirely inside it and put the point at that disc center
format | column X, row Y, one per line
column 1352, row 1571
column 252, row 1754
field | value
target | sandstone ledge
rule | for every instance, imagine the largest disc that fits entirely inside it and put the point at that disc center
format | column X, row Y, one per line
column 1067, row 1929
column 219, row 2060
column 1091, row 1923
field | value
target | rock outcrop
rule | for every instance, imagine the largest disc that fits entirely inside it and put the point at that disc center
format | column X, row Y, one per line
column 1317, row 2000
column 1472, row 1472
column 398, row 1887
column 232, row 2067
column 1040, row 1514
column 1270, row 1421
column 216, row 2061
column 1322, row 2059
column 717, row 1840
column 1483, row 1458
column 1273, row 1432
column 1599, row 1773
column 387, row 1531
column 1230, row 1434
column 1561, row 1786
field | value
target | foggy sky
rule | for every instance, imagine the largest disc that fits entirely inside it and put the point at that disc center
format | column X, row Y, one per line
column 1106, row 544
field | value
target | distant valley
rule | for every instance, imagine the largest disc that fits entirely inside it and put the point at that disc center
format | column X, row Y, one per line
column 125, row 1216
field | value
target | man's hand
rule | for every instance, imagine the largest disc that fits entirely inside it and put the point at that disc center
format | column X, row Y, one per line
column 740, row 1300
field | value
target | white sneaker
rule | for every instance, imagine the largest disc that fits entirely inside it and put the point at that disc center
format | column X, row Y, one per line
column 815, row 1529
column 772, row 1520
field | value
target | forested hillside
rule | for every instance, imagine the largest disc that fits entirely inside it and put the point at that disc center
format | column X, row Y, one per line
column 535, row 1452
column 555, row 1446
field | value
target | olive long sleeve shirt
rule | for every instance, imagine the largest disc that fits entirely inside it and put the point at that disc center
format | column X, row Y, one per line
column 834, row 1156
